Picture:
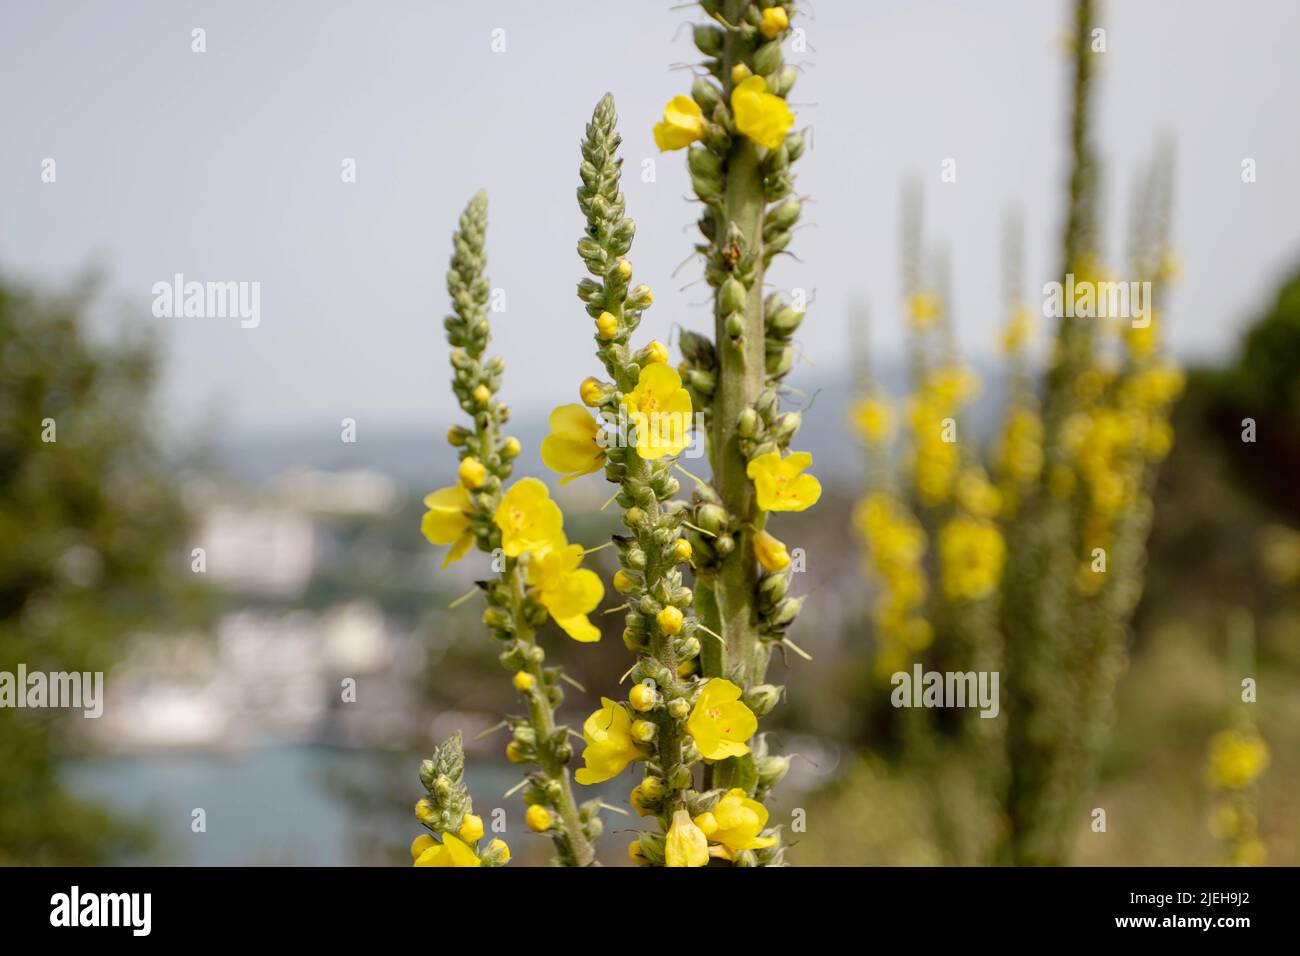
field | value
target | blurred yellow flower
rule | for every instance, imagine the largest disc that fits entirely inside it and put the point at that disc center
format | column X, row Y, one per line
column 567, row 591
column 872, row 418
column 686, row 844
column 572, row 449
column 922, row 309
column 971, row 554
column 1237, row 758
column 447, row 520
column 471, row 828
column 761, row 116
column 779, row 484
column 682, row 125
column 660, row 410
column 720, row 722
column 529, row 520
column 610, row 747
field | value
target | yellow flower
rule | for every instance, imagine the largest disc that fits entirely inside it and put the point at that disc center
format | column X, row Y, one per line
column 720, row 722
column 762, row 117
column 686, row 844
column 683, row 124
column 669, row 620
column 498, row 847
column 450, row 852
column 606, row 326
column 420, row 844
column 779, row 484
column 447, row 520
column 471, row 472
column 740, row 820
column 471, row 828
column 538, row 818
column 1237, row 757
column 567, row 591
column 524, row 681
column 660, row 410
column 573, row 449
column 591, row 391
column 771, row 552
column 529, row 520
column 682, row 550
column 610, row 747
column 971, row 554
column 871, row 417
column 642, row 697
column 482, row 394
column 656, row 352
column 775, row 21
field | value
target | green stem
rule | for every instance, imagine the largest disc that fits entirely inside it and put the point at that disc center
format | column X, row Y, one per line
column 571, row 840
column 740, row 382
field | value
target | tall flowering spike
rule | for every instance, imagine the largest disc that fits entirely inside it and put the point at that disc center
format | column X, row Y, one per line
column 527, row 526
column 740, row 159
column 647, row 397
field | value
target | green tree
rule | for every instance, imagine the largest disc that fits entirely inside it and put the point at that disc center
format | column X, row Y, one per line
column 89, row 526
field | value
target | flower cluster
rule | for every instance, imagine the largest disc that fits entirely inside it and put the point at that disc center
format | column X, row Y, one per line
column 1035, row 562
column 446, row 810
column 539, row 576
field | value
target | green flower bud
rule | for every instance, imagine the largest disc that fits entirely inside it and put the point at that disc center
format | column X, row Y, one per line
column 711, row 518
column 706, row 94
column 426, row 773
column 679, row 709
column 761, row 698
column 771, row 770
column 709, row 39
column 767, row 58
column 785, row 321
column 724, row 545
column 781, row 218
column 786, row 611
column 732, row 296
column 735, row 325
column 747, row 423
column 787, row 425
column 704, row 164
column 794, row 145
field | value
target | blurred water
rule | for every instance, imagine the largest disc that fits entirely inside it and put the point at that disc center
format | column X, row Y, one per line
column 292, row 804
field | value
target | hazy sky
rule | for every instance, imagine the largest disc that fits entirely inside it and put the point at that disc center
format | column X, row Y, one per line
column 225, row 166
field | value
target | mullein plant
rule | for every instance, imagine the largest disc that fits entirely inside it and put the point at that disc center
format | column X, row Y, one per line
column 538, row 574
column 1031, row 565
column 699, row 683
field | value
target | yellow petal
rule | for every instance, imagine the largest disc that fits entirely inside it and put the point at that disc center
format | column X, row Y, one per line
column 686, row 844
column 580, row 628
column 448, row 514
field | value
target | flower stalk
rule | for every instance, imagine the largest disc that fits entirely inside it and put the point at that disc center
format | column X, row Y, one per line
column 521, row 529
